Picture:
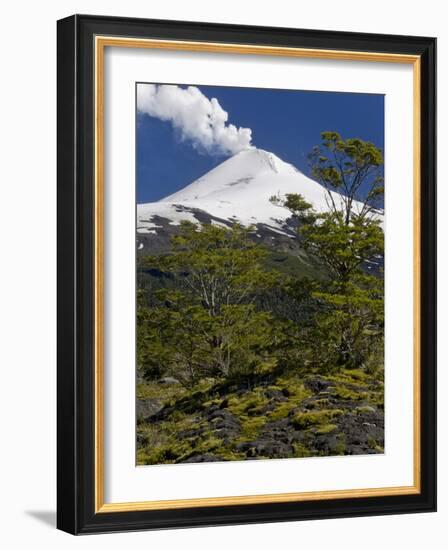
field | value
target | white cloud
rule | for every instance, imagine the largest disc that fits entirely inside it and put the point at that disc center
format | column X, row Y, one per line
column 198, row 119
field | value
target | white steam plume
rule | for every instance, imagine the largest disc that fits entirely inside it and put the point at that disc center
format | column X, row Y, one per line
column 201, row 120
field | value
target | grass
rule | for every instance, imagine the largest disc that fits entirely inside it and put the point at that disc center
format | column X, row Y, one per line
column 350, row 394
column 250, row 404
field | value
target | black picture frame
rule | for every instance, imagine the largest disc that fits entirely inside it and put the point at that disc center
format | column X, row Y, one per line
column 76, row 512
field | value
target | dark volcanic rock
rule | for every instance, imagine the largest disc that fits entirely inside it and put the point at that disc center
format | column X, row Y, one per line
column 315, row 402
column 265, row 448
column 194, row 432
column 278, row 432
column 148, row 408
column 223, row 423
column 328, row 444
column 364, row 432
column 316, row 385
column 206, row 457
column 276, row 395
column 360, row 430
column 158, row 239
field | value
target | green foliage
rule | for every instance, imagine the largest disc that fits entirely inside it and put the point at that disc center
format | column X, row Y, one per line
column 342, row 248
column 347, row 326
column 350, row 327
column 209, row 325
column 347, row 166
column 217, row 266
column 297, row 204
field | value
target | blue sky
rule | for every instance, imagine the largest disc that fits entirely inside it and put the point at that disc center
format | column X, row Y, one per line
column 285, row 122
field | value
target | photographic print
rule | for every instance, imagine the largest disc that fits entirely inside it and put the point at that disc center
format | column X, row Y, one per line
column 260, row 254
column 246, row 274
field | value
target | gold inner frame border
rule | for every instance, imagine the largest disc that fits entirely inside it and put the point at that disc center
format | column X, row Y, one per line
column 101, row 42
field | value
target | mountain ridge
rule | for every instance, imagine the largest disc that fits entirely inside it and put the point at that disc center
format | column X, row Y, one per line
column 239, row 190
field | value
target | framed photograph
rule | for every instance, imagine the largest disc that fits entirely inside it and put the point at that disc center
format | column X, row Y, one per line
column 246, row 274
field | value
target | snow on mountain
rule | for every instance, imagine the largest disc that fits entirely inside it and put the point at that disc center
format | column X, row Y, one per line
column 239, row 189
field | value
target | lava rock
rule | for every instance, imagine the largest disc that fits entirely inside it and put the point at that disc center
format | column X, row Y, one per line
column 317, row 385
column 206, row 457
column 364, row 433
column 147, row 409
column 276, row 395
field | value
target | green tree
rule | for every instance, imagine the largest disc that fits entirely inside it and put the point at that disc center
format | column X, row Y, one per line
column 348, row 319
column 349, row 327
column 348, row 167
column 342, row 248
column 208, row 325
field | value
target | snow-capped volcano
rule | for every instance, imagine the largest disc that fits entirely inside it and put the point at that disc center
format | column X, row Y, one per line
column 237, row 190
